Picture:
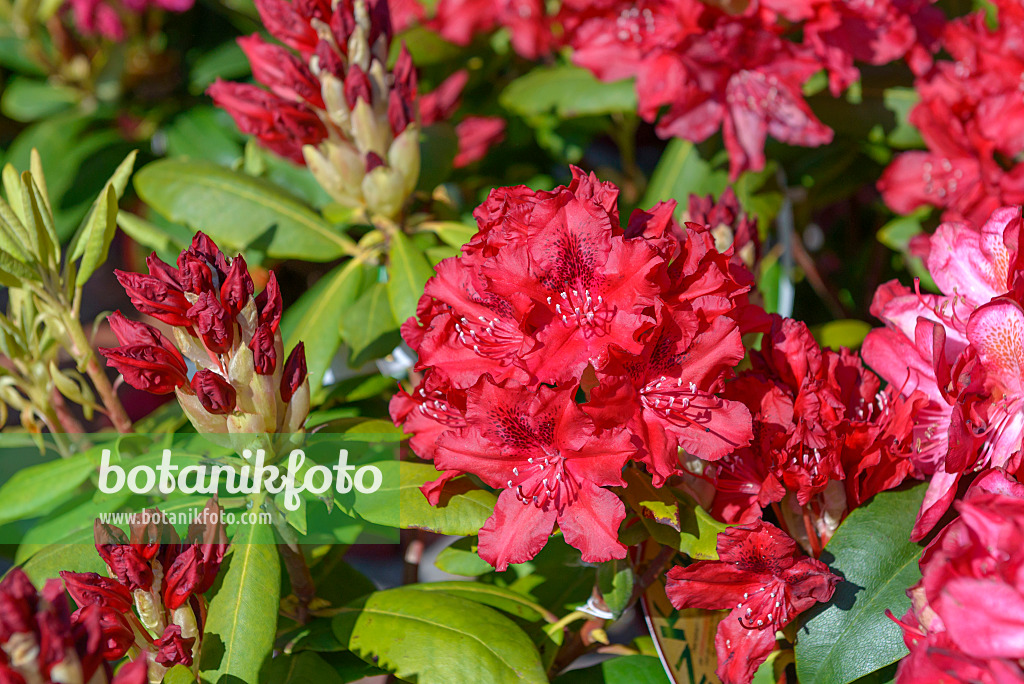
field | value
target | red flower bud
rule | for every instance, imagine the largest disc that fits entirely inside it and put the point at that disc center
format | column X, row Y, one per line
column 134, row 333
column 284, row 23
column 405, row 75
column 373, row 160
column 87, row 588
column 116, row 631
column 214, row 392
column 237, row 287
column 213, row 323
column 158, row 269
column 294, row 372
column 184, row 575
column 152, row 295
column 151, row 369
column 172, row 649
column 151, row 536
column 280, row 70
column 268, row 303
column 357, row 87
column 18, row 601
column 206, row 249
column 264, row 353
column 125, row 560
column 196, row 275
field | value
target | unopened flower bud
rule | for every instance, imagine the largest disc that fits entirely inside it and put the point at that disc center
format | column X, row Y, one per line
column 215, row 394
column 294, row 372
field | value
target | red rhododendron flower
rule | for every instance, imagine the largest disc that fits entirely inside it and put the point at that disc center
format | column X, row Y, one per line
column 763, row 580
column 970, row 117
column 551, row 460
column 966, row 621
column 527, row 21
column 476, row 135
column 551, row 302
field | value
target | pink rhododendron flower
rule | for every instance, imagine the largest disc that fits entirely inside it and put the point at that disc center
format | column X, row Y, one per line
column 526, row 20
column 107, row 18
column 966, row 621
column 961, row 350
column 763, row 580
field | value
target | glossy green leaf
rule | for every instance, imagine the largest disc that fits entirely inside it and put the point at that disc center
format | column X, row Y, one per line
column 635, row 669
column 848, row 333
column 242, row 617
column 408, row 272
column 680, row 172
column 27, row 99
column 461, row 558
column 851, row 636
column 158, row 238
column 76, row 553
column 569, row 91
column 39, row 488
column 462, row 510
column 615, row 581
column 204, row 133
column 179, row 674
column 316, row 317
column 453, row 233
column 300, row 668
column 436, row 638
column 503, row 599
column 236, row 210
column 369, row 327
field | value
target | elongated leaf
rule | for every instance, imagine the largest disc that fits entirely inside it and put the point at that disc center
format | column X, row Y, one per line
column 852, row 637
column 316, row 318
column 461, row 558
column 503, row 599
column 436, row 638
column 463, row 508
column 235, row 209
column 39, row 488
column 242, row 618
column 369, row 327
column 681, row 171
column 76, row 553
column 635, row 669
column 157, row 238
column 408, row 272
column 302, row 668
column 14, row 272
column 30, row 100
column 451, row 232
column 568, row 90
column 99, row 233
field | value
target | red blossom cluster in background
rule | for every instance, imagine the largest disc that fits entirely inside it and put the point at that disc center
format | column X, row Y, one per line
column 971, row 116
column 108, row 18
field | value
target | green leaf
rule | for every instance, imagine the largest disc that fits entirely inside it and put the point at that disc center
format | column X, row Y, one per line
column 672, row 518
column 615, row 581
column 680, row 172
column 408, row 272
column 39, row 488
column 242, row 618
column 204, row 133
column 27, row 99
column 369, row 327
column 452, row 233
column 179, row 674
column 99, row 233
column 76, row 553
column 158, row 238
column 235, row 210
column 438, row 145
column 505, row 600
column 568, row 90
column 13, row 272
column 852, row 636
column 462, row 510
column 635, row 669
column 316, row 318
column 848, row 333
column 435, row 638
column 225, row 61
column 301, row 668
column 461, row 558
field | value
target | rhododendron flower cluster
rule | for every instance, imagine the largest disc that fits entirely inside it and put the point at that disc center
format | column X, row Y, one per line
column 161, row 578
column 824, row 433
column 962, row 352
column 41, row 642
column 971, row 116
column 553, row 299
column 108, row 18
column 763, row 580
column 242, row 381
column 966, row 621
column 742, row 72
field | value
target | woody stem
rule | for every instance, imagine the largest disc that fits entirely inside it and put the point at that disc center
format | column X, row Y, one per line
column 82, row 351
column 301, row 579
